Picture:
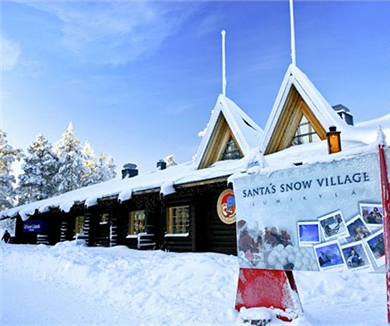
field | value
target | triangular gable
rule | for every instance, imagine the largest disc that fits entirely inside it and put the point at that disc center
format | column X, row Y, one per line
column 227, row 121
column 297, row 96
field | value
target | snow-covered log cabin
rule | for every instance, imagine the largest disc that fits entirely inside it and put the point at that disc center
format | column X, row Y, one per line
column 179, row 208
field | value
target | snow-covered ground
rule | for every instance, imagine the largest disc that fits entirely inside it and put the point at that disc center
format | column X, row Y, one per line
column 70, row 284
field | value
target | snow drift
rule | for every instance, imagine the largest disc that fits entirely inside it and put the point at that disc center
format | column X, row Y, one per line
column 163, row 288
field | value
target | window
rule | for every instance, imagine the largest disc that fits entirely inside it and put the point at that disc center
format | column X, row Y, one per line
column 231, row 151
column 79, row 225
column 137, row 222
column 305, row 133
column 178, row 220
column 104, row 218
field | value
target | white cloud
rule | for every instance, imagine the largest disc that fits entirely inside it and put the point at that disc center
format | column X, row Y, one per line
column 9, row 53
column 117, row 32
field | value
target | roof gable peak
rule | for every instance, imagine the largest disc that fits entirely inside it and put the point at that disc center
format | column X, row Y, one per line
column 244, row 131
column 316, row 108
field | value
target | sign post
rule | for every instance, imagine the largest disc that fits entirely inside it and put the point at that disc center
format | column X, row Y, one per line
column 386, row 223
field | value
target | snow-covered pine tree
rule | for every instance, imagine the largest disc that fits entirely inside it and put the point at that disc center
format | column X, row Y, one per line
column 111, row 168
column 39, row 170
column 8, row 155
column 71, row 169
column 102, row 169
column 91, row 175
column 106, row 168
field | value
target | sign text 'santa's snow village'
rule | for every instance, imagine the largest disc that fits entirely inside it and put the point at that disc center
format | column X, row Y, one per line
column 307, row 184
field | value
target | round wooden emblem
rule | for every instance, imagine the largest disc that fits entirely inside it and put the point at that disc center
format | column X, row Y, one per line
column 226, row 207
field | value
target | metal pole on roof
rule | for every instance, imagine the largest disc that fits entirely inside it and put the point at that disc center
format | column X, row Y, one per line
column 223, row 64
column 292, row 33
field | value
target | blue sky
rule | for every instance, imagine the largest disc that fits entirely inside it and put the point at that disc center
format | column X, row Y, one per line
column 139, row 79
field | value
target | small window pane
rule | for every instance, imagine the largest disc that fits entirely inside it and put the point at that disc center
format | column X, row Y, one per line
column 137, row 222
column 231, row 151
column 178, row 220
column 79, row 225
column 305, row 128
column 304, row 134
column 315, row 137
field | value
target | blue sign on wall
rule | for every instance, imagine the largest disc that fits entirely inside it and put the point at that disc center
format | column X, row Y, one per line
column 34, row 226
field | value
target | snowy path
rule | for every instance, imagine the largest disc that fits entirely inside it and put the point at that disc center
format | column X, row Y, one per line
column 73, row 285
column 44, row 303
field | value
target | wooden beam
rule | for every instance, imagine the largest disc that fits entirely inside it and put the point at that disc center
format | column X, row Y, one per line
column 292, row 111
column 318, row 128
column 203, row 182
column 217, row 143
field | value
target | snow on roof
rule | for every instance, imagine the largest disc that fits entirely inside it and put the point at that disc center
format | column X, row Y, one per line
column 355, row 139
column 245, row 130
column 162, row 181
column 165, row 180
column 322, row 110
column 366, row 131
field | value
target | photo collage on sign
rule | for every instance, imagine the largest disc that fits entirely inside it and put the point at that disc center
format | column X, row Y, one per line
column 353, row 245
column 272, row 248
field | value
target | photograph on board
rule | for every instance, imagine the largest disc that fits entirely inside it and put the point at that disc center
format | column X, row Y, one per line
column 372, row 214
column 308, row 233
column 356, row 257
column 333, row 226
column 376, row 245
column 358, row 229
column 329, row 256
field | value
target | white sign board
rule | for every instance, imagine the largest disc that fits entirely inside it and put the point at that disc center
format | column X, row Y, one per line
column 317, row 217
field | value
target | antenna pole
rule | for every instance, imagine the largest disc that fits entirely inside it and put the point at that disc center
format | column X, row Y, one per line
column 292, row 33
column 223, row 64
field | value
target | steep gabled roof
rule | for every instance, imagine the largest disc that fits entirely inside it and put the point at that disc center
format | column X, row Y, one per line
column 313, row 105
column 245, row 132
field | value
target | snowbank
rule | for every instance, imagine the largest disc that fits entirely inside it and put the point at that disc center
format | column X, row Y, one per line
column 162, row 288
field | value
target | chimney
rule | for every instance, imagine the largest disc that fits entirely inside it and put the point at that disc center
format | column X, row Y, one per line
column 161, row 165
column 129, row 170
column 344, row 113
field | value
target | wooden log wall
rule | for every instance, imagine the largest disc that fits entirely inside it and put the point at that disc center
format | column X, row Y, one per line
column 206, row 231
column 87, row 226
column 178, row 243
column 152, row 205
column 221, row 237
column 212, row 235
column 101, row 232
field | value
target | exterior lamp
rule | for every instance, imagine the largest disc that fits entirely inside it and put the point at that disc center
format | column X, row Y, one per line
column 334, row 141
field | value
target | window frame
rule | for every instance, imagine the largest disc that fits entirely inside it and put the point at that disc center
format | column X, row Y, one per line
column 235, row 153
column 79, row 224
column 299, row 136
column 182, row 228
column 131, row 230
